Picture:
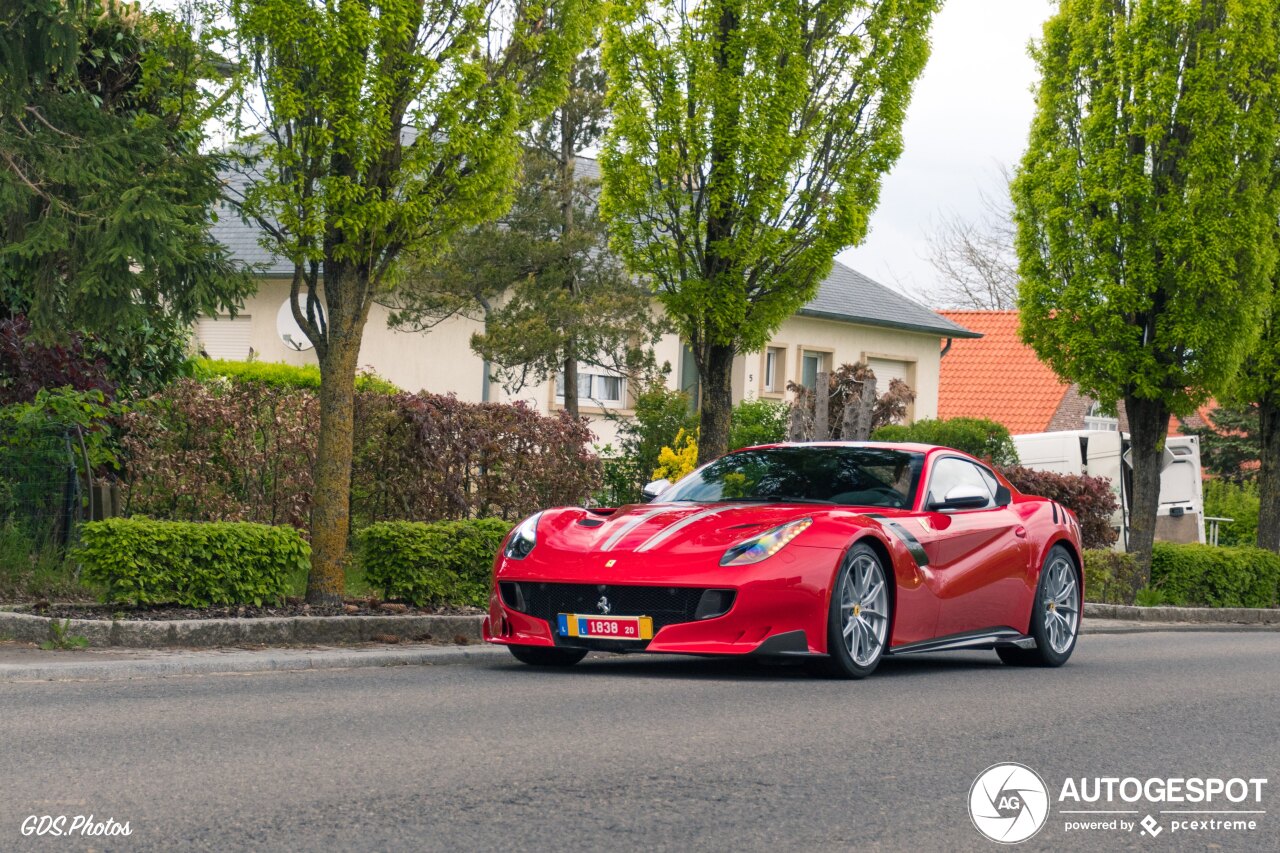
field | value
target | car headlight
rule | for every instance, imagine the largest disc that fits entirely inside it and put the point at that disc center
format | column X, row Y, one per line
column 767, row 544
column 523, row 538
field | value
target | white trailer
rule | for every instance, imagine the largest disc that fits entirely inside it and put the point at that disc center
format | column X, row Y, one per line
column 1104, row 453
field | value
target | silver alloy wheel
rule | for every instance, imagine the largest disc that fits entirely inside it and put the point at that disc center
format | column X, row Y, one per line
column 864, row 609
column 1061, row 604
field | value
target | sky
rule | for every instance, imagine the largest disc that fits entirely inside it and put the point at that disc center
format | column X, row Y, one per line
column 969, row 116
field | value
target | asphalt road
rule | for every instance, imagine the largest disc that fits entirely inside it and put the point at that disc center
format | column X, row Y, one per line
column 636, row 753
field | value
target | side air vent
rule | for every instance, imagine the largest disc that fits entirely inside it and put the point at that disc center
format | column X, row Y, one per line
column 714, row 602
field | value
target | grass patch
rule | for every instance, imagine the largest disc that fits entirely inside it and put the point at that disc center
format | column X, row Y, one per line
column 28, row 573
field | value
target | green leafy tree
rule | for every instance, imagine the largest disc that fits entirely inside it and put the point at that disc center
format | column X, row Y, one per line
column 106, row 199
column 551, row 295
column 748, row 142
column 1145, row 208
column 383, row 127
column 1258, row 389
column 1229, row 445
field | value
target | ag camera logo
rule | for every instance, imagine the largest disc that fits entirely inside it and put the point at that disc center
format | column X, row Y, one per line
column 1008, row 803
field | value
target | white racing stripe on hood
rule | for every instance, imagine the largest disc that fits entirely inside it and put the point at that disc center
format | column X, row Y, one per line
column 673, row 529
column 630, row 524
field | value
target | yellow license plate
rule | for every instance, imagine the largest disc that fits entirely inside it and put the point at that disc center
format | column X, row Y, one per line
column 606, row 627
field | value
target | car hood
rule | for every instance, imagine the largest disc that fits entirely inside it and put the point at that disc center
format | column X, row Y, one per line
column 632, row 534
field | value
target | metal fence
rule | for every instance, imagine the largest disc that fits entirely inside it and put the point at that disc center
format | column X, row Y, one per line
column 40, row 489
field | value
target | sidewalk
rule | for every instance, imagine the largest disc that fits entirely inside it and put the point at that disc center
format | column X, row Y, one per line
column 20, row 662
column 23, row 662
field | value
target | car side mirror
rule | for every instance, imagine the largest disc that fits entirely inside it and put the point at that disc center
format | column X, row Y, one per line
column 1004, row 497
column 651, row 491
column 963, row 497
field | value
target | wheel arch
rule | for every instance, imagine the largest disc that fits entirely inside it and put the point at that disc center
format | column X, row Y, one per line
column 883, row 551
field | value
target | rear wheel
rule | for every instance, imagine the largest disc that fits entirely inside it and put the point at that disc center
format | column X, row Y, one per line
column 547, row 655
column 858, row 618
column 1055, row 614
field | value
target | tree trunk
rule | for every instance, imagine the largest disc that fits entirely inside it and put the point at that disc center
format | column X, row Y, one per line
column 717, row 402
column 331, row 494
column 570, row 380
column 1269, row 476
column 1148, row 427
column 566, row 170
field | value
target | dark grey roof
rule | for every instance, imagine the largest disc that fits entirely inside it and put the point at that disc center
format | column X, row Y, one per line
column 241, row 237
column 846, row 294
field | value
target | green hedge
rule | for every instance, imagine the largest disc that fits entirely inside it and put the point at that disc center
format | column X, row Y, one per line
column 446, row 563
column 192, row 564
column 1110, row 577
column 1238, row 502
column 1201, row 575
column 279, row 375
column 976, row 436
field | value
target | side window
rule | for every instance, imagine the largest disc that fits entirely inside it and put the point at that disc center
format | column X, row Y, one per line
column 950, row 472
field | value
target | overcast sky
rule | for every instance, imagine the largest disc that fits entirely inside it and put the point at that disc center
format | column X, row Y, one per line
column 969, row 116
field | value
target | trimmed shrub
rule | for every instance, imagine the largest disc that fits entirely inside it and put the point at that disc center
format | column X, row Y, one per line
column 976, row 436
column 434, row 457
column 1110, row 577
column 280, row 375
column 758, row 422
column 447, row 563
column 1202, row 575
column 1090, row 498
column 239, row 451
column 144, row 561
column 1239, row 502
column 243, row 451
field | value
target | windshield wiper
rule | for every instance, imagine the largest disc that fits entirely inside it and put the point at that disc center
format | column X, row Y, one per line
column 775, row 499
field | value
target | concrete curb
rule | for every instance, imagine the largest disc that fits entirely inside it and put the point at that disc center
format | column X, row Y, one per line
column 219, row 663
column 1214, row 615
column 220, row 633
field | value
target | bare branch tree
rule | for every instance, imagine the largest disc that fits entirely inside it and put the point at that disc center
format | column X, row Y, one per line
column 975, row 260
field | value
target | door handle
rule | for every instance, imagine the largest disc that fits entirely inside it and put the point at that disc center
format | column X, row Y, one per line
column 1020, row 532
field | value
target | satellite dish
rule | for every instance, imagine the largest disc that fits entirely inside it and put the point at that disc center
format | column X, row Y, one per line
column 289, row 330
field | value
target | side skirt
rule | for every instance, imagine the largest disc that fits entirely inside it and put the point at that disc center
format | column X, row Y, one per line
column 985, row 638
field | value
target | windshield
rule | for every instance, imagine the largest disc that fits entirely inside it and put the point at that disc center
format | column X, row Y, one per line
column 850, row 476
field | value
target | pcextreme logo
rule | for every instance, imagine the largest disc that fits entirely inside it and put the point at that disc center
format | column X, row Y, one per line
column 1008, row 803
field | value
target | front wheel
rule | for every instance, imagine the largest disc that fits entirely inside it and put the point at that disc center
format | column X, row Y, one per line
column 1055, row 614
column 858, row 618
column 547, row 655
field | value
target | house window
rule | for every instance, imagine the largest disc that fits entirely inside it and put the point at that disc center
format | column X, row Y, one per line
column 225, row 337
column 1096, row 419
column 811, row 364
column 602, row 389
column 774, row 370
column 607, row 389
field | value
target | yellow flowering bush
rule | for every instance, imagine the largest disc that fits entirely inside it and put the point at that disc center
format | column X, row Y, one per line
column 675, row 463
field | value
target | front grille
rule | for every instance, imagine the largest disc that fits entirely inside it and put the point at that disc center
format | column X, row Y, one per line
column 666, row 604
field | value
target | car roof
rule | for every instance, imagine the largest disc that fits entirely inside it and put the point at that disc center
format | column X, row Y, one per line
column 905, row 446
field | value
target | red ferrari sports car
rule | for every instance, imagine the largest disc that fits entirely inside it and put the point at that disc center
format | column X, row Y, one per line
column 836, row 552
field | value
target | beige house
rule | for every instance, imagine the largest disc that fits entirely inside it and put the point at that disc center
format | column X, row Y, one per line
column 851, row 318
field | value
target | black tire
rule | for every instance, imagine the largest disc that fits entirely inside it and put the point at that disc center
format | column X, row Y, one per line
column 1045, row 654
column 547, row 655
column 840, row 662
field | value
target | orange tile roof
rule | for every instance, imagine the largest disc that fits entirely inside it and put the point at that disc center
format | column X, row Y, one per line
column 997, row 376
